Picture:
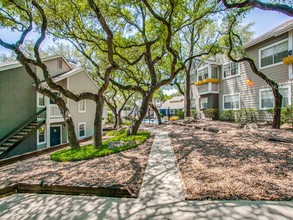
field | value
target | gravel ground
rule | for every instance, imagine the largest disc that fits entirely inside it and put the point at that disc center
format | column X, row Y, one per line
column 238, row 164
column 125, row 168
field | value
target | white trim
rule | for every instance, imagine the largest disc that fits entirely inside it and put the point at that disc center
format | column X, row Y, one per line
column 229, row 77
column 208, row 92
column 78, row 106
column 290, row 47
column 231, row 95
column 45, row 136
column 38, row 104
column 266, row 47
column 83, row 123
column 269, row 89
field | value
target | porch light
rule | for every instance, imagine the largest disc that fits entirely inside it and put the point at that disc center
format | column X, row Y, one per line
column 249, row 82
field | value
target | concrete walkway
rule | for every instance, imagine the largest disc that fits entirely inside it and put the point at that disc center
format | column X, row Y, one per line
column 161, row 197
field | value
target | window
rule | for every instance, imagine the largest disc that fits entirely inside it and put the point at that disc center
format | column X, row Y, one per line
column 203, row 74
column 266, row 98
column 204, row 103
column 82, row 106
column 215, row 73
column 41, row 135
column 81, row 130
column 41, row 100
column 60, row 64
column 230, row 69
column 273, row 54
column 231, row 102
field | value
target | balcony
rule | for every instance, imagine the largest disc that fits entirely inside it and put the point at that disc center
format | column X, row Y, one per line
column 288, row 60
column 206, row 81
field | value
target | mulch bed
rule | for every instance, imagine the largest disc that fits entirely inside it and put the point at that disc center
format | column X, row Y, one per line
column 236, row 164
column 122, row 170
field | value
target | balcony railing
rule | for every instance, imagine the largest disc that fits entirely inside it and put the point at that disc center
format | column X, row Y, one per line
column 205, row 81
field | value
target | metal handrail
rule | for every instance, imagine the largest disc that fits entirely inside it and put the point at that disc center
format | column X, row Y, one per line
column 21, row 126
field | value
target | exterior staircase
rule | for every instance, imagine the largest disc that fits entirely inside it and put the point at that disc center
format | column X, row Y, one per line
column 21, row 132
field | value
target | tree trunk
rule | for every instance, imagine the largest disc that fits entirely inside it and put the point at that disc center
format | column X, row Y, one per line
column 98, row 135
column 115, row 120
column 277, row 110
column 187, row 94
column 157, row 113
column 119, row 118
column 133, row 128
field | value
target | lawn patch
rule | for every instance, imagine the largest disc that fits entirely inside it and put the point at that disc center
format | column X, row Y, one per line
column 88, row 152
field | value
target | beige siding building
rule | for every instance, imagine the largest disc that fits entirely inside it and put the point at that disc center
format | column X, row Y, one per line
column 224, row 85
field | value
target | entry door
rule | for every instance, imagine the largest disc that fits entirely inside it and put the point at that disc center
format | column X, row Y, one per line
column 55, row 135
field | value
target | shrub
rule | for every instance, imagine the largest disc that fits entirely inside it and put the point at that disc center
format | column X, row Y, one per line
column 194, row 113
column 110, row 118
column 211, row 113
column 287, row 115
column 116, row 132
column 248, row 114
column 230, row 115
column 180, row 114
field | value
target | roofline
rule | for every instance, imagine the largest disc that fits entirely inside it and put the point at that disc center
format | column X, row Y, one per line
column 17, row 64
column 267, row 35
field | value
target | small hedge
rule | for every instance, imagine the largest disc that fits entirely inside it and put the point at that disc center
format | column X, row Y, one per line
column 88, row 152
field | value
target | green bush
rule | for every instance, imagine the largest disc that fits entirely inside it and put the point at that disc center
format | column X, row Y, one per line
column 194, row 113
column 230, row 115
column 88, row 152
column 180, row 114
column 116, row 132
column 211, row 113
column 286, row 114
column 110, row 118
column 248, row 114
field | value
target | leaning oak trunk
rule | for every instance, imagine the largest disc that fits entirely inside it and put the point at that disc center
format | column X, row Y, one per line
column 157, row 113
column 277, row 110
column 116, row 121
column 98, row 132
column 133, row 129
column 119, row 118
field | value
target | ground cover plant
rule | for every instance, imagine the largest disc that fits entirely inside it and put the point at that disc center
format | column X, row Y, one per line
column 88, row 152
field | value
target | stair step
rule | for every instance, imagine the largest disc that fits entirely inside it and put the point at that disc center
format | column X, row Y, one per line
column 26, row 129
column 17, row 136
column 30, row 126
column 7, row 144
column 2, row 149
column 13, row 140
column 22, row 132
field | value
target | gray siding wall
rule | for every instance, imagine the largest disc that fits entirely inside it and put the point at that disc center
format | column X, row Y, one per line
column 53, row 68
column 80, row 82
column 17, row 99
column 249, row 94
column 18, row 103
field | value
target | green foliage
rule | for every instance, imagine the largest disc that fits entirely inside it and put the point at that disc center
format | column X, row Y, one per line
column 88, row 152
column 110, row 118
column 127, row 122
column 211, row 113
column 116, row 132
column 287, row 115
column 248, row 114
column 230, row 115
column 194, row 113
column 180, row 114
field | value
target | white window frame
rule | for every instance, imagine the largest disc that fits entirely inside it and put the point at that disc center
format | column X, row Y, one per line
column 201, row 106
column 229, row 77
column 271, row 45
column 79, row 105
column 83, row 123
column 201, row 68
column 45, row 136
column 269, row 89
column 38, row 103
column 231, row 95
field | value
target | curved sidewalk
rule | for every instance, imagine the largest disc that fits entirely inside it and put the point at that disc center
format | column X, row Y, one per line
column 161, row 197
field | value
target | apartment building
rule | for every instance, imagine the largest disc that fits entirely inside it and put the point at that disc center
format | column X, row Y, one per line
column 221, row 84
